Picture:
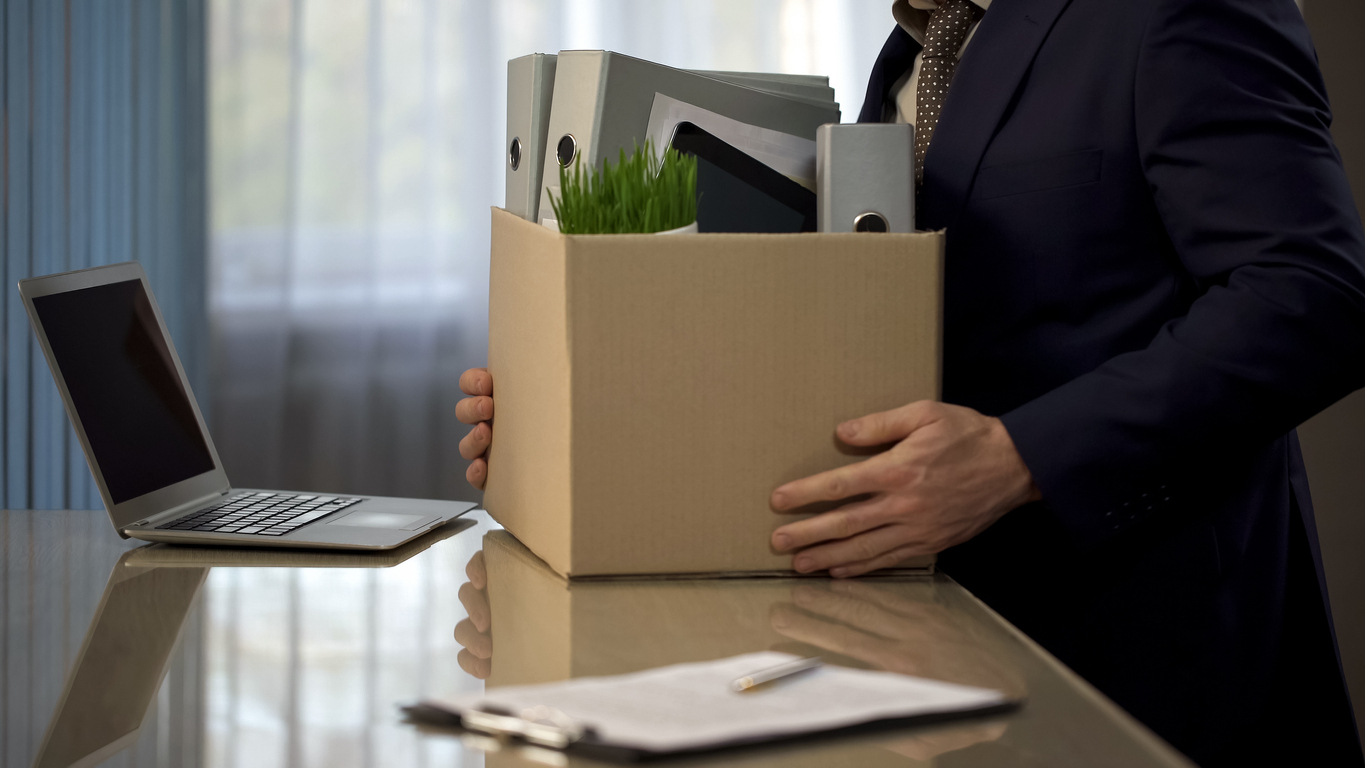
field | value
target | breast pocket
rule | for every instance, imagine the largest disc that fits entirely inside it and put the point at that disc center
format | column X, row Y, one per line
column 1070, row 170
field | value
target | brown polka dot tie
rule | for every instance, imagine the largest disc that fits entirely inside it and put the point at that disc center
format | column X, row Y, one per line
column 947, row 31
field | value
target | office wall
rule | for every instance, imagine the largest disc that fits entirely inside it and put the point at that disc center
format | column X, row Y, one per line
column 104, row 162
column 1334, row 441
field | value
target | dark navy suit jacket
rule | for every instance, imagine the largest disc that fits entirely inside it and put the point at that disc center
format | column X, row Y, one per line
column 1155, row 271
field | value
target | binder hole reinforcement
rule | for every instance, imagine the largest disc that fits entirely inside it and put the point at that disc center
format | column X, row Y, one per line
column 514, row 153
column 870, row 221
column 566, row 150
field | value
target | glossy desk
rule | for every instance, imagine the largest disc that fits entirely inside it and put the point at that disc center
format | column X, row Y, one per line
column 255, row 659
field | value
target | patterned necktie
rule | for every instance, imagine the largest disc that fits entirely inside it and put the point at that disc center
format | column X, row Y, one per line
column 948, row 26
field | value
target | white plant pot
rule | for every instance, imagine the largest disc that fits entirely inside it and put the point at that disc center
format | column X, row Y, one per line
column 690, row 229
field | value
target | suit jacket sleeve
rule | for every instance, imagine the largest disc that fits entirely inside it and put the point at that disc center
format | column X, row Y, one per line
column 1233, row 135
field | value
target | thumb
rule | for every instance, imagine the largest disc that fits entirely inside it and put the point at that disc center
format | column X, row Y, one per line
column 889, row 426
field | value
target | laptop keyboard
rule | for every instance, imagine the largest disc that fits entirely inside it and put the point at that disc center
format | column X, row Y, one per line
column 262, row 514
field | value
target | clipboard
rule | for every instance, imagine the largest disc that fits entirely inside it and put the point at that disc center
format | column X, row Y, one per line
column 904, row 701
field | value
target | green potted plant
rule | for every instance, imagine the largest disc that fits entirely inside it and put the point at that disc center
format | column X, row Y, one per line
column 641, row 193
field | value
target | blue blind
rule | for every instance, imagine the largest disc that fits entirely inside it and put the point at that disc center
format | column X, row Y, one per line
column 105, row 161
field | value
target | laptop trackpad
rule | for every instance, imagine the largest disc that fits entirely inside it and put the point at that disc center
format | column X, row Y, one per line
column 390, row 520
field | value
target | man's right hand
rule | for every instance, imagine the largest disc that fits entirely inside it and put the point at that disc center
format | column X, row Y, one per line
column 477, row 409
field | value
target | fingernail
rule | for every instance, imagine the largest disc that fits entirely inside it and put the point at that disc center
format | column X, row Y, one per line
column 782, row 541
column 779, row 500
column 839, row 573
column 779, row 621
column 484, row 409
column 849, row 429
column 804, row 564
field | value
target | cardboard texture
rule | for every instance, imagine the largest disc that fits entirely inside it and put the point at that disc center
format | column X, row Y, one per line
column 653, row 390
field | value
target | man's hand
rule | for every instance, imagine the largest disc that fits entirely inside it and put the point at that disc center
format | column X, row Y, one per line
column 475, row 633
column 952, row 474
column 477, row 410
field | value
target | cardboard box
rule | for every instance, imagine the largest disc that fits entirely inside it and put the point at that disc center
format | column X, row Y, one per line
column 652, row 390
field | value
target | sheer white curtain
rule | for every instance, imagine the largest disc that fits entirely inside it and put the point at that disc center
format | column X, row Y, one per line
column 356, row 147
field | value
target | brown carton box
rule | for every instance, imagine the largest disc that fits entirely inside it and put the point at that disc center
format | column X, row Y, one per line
column 652, row 390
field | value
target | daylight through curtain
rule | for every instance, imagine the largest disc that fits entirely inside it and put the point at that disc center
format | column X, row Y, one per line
column 357, row 147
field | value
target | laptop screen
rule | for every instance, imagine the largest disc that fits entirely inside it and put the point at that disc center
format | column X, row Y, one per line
column 125, row 388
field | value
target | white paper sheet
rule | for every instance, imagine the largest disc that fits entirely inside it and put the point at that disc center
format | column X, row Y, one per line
column 791, row 156
column 690, row 706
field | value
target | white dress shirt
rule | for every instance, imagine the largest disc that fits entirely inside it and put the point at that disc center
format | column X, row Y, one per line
column 913, row 17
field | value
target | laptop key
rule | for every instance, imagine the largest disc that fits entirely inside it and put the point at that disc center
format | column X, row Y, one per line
column 252, row 529
column 275, row 531
column 316, row 514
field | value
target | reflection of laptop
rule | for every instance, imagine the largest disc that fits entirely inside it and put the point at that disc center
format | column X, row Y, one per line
column 145, row 439
column 127, row 649
column 126, row 653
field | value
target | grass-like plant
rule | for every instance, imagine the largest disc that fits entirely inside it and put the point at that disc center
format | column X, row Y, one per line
column 641, row 193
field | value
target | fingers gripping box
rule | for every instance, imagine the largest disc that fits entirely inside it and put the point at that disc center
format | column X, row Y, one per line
column 652, row 390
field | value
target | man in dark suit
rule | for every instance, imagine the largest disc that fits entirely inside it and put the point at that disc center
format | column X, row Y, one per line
column 1155, row 271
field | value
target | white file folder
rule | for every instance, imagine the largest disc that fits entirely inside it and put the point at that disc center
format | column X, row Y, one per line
column 812, row 88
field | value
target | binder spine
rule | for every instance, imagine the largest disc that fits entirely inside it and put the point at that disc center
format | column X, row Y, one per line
column 530, row 89
column 580, row 79
column 864, row 178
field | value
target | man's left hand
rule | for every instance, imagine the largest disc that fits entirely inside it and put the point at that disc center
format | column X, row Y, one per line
column 952, row 473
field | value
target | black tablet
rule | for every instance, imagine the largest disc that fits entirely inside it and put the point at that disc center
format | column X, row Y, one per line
column 736, row 193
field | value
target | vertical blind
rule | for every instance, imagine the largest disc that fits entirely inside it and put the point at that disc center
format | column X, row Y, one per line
column 104, row 158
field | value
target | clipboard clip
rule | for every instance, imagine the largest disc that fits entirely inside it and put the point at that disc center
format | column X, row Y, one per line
column 540, row 725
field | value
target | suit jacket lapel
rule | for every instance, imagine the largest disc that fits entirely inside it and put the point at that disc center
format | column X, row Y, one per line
column 896, row 58
column 987, row 77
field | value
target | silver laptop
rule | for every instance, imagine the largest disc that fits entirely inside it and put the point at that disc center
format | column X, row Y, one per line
column 145, row 439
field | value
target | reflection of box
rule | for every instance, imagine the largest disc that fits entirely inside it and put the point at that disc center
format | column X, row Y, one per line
column 546, row 628
column 651, row 391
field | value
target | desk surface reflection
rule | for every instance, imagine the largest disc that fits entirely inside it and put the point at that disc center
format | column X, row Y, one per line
column 248, row 659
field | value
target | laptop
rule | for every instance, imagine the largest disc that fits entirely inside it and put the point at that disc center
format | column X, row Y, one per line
column 148, row 447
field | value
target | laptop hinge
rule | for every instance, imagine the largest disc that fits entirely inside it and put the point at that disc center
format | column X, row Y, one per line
column 181, row 509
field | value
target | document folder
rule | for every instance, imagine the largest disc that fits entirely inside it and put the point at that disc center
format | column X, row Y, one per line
column 602, row 101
